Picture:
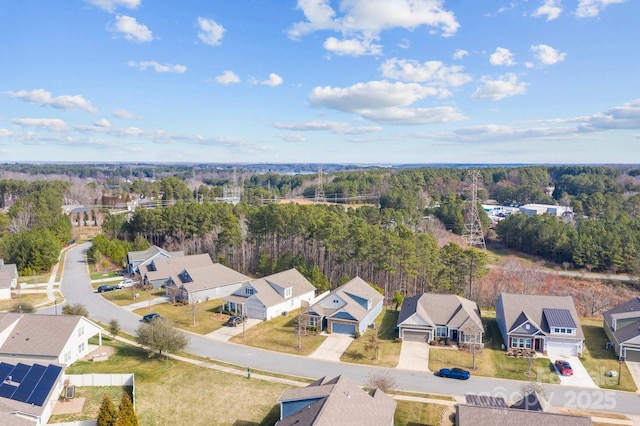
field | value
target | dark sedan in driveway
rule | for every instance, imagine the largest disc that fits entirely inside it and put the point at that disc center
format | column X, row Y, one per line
column 454, row 373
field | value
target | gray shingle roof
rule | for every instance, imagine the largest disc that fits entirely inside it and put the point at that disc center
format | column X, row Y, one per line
column 443, row 309
column 266, row 288
column 208, row 277
column 340, row 402
column 349, row 292
column 627, row 310
column 475, row 415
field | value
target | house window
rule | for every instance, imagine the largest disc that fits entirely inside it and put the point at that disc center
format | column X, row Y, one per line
column 81, row 331
column 560, row 330
column 287, row 292
column 249, row 291
column 521, row 342
column 441, row 331
column 313, row 321
column 67, row 356
column 81, row 348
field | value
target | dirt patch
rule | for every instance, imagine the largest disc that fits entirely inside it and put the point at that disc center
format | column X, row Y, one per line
column 69, row 406
column 219, row 317
column 100, row 351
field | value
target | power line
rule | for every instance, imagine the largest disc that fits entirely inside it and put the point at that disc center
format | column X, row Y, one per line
column 474, row 235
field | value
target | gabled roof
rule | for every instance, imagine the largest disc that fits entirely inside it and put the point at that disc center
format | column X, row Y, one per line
column 34, row 334
column 165, row 267
column 338, row 401
column 533, row 401
column 141, row 256
column 533, row 306
column 474, row 415
column 354, row 293
column 441, row 309
column 207, row 277
column 266, row 289
column 627, row 310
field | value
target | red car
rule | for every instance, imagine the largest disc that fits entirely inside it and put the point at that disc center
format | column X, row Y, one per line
column 564, row 368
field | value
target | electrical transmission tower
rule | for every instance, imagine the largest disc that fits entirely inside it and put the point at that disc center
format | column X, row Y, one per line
column 320, row 195
column 474, row 235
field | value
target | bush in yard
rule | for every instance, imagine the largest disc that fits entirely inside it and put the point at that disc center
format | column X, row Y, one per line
column 22, row 308
column 107, row 414
column 75, row 309
column 126, row 415
column 160, row 335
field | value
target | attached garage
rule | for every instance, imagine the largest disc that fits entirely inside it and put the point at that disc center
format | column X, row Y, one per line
column 415, row 336
column 566, row 349
column 342, row 328
column 632, row 355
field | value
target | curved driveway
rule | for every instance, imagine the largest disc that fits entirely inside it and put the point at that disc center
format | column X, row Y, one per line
column 76, row 287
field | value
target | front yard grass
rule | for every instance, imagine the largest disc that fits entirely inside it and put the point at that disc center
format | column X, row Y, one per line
column 280, row 334
column 31, row 298
column 182, row 316
column 418, row 413
column 598, row 360
column 126, row 296
column 206, row 396
column 389, row 350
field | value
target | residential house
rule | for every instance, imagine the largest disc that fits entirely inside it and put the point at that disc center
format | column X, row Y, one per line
column 137, row 258
column 349, row 308
column 622, row 326
column 61, row 339
column 430, row 316
column 268, row 297
column 337, row 401
column 8, row 279
column 157, row 271
column 532, row 409
column 547, row 324
column 201, row 283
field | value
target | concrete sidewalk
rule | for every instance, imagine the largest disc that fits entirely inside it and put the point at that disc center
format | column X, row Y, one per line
column 139, row 305
column 333, row 347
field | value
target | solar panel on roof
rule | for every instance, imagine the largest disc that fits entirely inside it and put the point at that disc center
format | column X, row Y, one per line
column 5, row 370
column 7, row 390
column 20, row 370
column 39, row 394
column 28, row 384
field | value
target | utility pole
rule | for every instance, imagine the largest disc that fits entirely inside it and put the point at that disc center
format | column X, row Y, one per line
column 474, row 236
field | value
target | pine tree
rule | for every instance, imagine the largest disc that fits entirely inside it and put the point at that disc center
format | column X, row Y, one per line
column 126, row 415
column 107, row 414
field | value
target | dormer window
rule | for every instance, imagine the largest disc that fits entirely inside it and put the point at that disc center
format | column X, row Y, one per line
column 249, row 291
column 287, row 292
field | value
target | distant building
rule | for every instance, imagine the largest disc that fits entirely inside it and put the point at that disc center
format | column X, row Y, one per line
column 8, row 279
column 537, row 209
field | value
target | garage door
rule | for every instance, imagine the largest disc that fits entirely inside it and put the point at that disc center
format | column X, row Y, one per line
column 255, row 313
column 560, row 349
column 414, row 336
column 337, row 327
column 632, row 355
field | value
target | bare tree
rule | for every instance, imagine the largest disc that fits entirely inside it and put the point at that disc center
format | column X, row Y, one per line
column 383, row 381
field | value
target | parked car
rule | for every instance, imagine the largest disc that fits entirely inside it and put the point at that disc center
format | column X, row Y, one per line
column 105, row 288
column 125, row 283
column 454, row 373
column 564, row 368
column 234, row 321
column 150, row 317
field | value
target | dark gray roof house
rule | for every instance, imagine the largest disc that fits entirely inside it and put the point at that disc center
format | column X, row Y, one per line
column 429, row 316
column 336, row 401
column 135, row 259
column 547, row 324
column 622, row 326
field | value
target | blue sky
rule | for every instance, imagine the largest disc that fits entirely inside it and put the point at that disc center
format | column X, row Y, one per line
column 320, row 81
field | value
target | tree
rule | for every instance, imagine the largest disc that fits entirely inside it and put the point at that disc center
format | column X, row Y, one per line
column 75, row 309
column 373, row 344
column 22, row 308
column 114, row 327
column 160, row 335
column 397, row 299
column 126, row 414
column 383, row 381
column 107, row 414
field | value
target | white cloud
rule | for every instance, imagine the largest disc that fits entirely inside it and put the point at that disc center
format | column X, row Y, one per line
column 227, row 77
column 550, row 8
column 43, row 97
column 502, row 56
column 210, row 31
column 365, row 19
column 547, row 55
column 4, row 133
column 111, row 5
column 100, row 127
column 123, row 114
column 460, row 53
column 352, row 47
column 336, row 127
column 592, row 8
column 157, row 67
column 292, row 137
column 411, row 116
column 369, row 96
column 51, row 124
column 626, row 116
column 505, row 86
column 430, row 72
column 131, row 29
column 103, row 122
column 274, row 80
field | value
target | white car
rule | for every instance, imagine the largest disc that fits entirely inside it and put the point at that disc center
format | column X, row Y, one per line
column 125, row 283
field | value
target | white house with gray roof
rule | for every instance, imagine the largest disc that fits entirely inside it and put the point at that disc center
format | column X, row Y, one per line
column 135, row 259
column 429, row 316
column 336, row 401
column 547, row 324
column 349, row 308
column 8, row 279
column 268, row 297
column 622, row 326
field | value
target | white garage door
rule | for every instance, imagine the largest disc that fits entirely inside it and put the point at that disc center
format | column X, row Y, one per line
column 561, row 349
column 414, row 336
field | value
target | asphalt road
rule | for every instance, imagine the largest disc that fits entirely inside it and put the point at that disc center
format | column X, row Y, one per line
column 76, row 287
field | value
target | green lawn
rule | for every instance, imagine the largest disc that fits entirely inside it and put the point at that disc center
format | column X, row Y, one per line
column 93, row 399
column 389, row 350
column 598, row 360
column 417, row 413
column 207, row 318
column 280, row 334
